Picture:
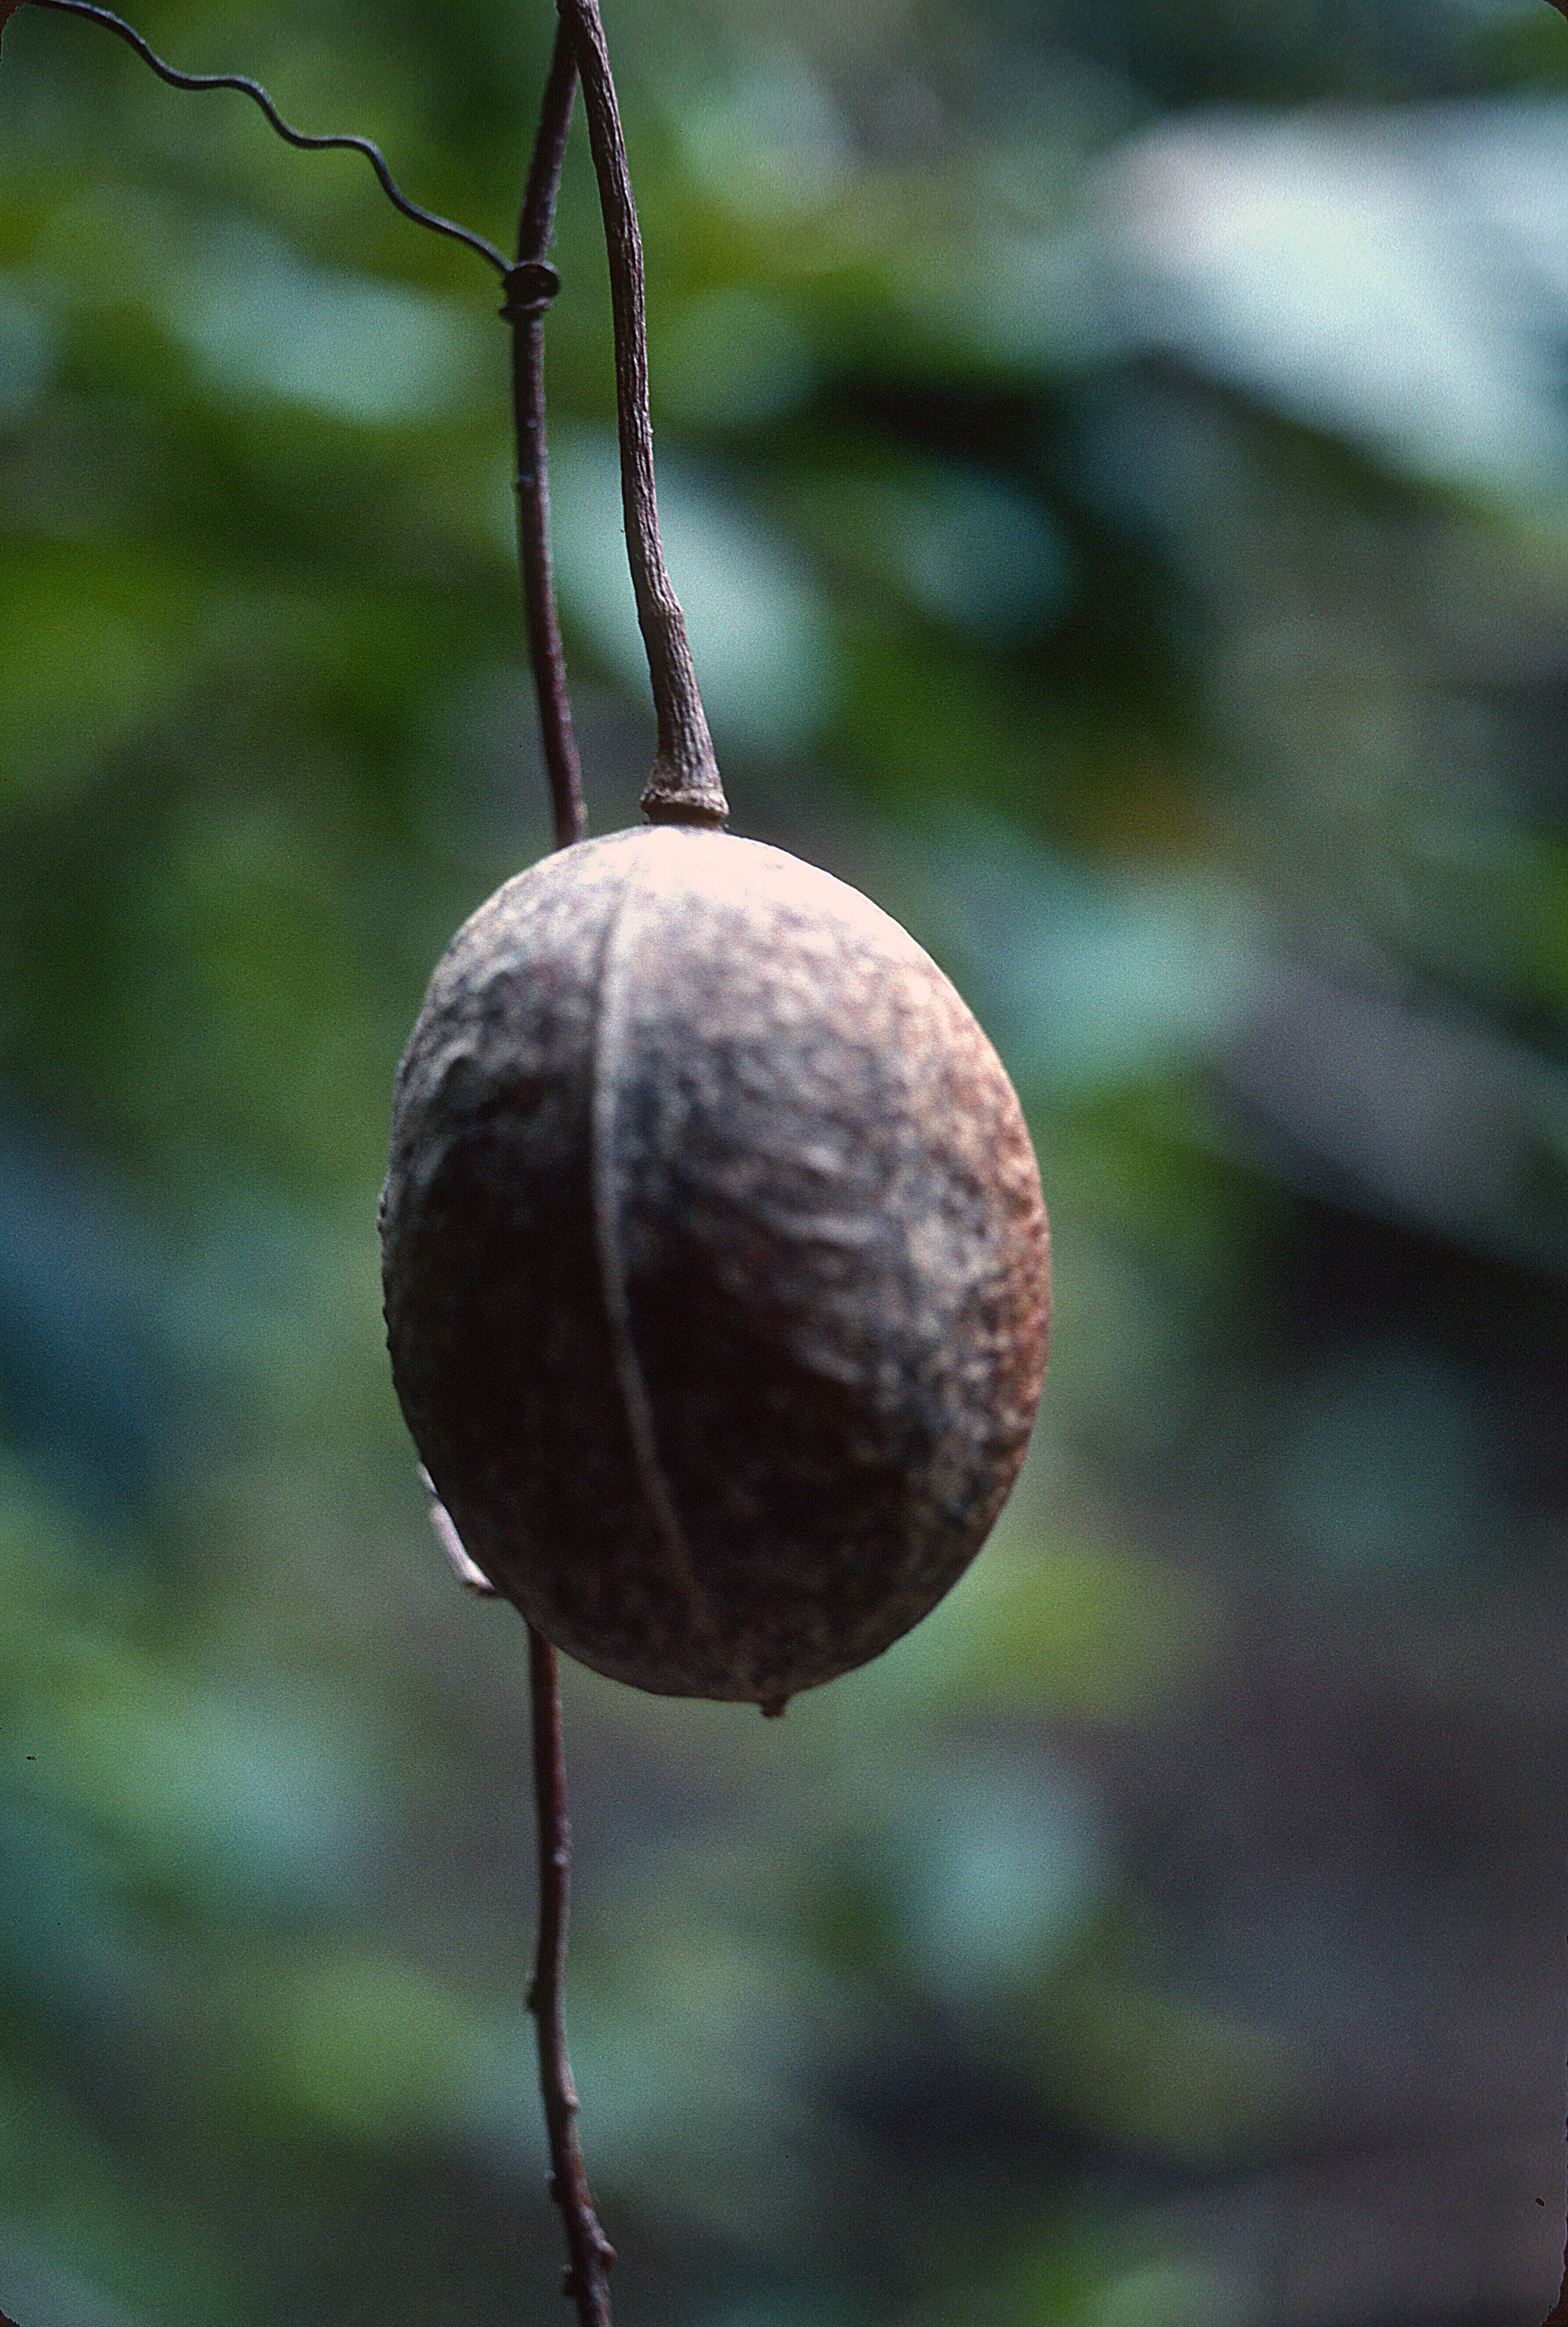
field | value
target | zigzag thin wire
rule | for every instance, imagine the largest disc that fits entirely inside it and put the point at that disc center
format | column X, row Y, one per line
column 259, row 96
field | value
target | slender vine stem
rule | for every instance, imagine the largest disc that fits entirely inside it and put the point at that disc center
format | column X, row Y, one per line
column 531, row 285
column 685, row 786
column 591, row 2252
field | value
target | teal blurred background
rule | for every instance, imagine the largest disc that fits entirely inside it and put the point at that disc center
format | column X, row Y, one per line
column 1115, row 459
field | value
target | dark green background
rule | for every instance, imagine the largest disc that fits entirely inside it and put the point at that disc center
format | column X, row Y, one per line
column 1113, row 461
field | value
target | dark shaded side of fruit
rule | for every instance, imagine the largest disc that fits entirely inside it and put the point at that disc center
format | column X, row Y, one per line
column 716, row 1269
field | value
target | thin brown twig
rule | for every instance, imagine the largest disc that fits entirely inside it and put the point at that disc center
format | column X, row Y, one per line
column 591, row 2252
column 531, row 285
column 685, row 785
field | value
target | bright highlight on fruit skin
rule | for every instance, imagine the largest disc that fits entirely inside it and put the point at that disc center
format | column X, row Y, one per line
column 717, row 1272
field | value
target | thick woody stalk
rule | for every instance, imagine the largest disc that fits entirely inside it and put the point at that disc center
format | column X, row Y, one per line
column 685, row 786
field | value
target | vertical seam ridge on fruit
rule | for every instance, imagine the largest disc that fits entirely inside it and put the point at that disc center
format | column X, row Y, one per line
column 608, row 1042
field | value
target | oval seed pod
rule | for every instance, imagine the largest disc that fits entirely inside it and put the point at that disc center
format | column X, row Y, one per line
column 716, row 1269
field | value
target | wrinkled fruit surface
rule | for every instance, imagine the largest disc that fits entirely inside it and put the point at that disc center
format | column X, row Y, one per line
column 717, row 1274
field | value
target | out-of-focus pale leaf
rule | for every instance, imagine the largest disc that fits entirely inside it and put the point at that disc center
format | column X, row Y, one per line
column 1090, row 983
column 996, row 1859
column 770, row 140
column 28, row 343
column 1394, row 279
column 265, row 322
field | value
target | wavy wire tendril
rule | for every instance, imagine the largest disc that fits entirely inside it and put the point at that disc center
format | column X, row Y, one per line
column 259, row 96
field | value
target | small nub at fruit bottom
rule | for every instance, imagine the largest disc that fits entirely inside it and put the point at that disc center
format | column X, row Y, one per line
column 716, row 1270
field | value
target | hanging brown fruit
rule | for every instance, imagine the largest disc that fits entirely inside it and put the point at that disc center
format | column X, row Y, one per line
column 716, row 1269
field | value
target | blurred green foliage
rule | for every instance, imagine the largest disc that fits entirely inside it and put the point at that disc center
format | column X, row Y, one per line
column 1185, row 658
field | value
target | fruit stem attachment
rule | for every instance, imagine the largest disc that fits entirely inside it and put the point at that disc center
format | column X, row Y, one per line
column 531, row 284
column 684, row 786
column 591, row 2252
